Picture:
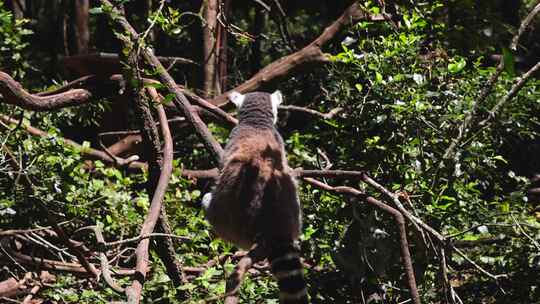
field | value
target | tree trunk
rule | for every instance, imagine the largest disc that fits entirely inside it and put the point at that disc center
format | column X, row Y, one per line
column 81, row 31
column 257, row 29
column 18, row 7
column 221, row 79
column 209, row 41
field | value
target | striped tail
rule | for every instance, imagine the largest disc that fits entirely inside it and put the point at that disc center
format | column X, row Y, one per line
column 287, row 269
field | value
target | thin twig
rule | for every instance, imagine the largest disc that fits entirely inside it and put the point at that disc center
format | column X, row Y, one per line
column 141, row 237
column 328, row 115
column 466, row 124
column 104, row 263
column 524, row 24
column 153, row 21
column 513, row 91
column 405, row 254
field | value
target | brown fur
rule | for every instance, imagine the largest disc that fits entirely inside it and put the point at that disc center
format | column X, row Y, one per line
column 255, row 195
column 255, row 198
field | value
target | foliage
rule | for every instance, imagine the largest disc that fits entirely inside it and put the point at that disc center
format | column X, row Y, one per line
column 13, row 43
column 405, row 93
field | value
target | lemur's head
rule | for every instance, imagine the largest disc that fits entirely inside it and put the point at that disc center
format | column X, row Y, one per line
column 257, row 107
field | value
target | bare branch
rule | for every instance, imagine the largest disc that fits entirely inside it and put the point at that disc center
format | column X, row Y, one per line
column 130, row 162
column 13, row 93
column 309, row 54
column 328, row 115
column 105, row 270
column 405, row 254
column 467, row 121
column 48, row 264
column 11, row 287
column 74, row 248
column 513, row 91
column 524, row 24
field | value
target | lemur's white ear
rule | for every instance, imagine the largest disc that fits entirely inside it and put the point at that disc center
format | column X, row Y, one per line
column 206, row 200
column 236, row 98
column 276, row 98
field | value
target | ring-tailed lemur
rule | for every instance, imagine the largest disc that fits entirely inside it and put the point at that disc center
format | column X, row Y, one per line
column 255, row 198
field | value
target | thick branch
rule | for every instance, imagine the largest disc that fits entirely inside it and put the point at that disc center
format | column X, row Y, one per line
column 13, row 93
column 312, row 53
column 11, row 287
column 160, row 167
column 134, row 291
column 125, row 144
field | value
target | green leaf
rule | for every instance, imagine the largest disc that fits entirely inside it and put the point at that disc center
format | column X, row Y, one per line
column 456, row 67
column 378, row 77
column 499, row 157
column 509, row 62
column 96, row 10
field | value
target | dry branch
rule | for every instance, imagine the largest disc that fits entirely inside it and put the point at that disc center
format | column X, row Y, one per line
column 125, row 144
column 134, row 291
column 33, row 292
column 96, row 154
column 160, row 167
column 104, row 262
column 165, row 247
column 75, row 249
column 11, row 287
column 48, row 264
column 400, row 220
column 13, row 93
column 312, row 53
column 328, row 115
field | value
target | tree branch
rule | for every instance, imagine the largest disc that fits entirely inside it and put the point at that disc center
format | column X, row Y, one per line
column 467, row 121
column 511, row 94
column 104, row 262
column 134, row 291
column 312, row 53
column 524, row 24
column 405, row 254
column 130, row 162
column 328, row 115
column 13, row 93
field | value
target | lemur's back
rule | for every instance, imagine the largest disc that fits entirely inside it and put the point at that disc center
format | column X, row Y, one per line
column 255, row 194
column 255, row 198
